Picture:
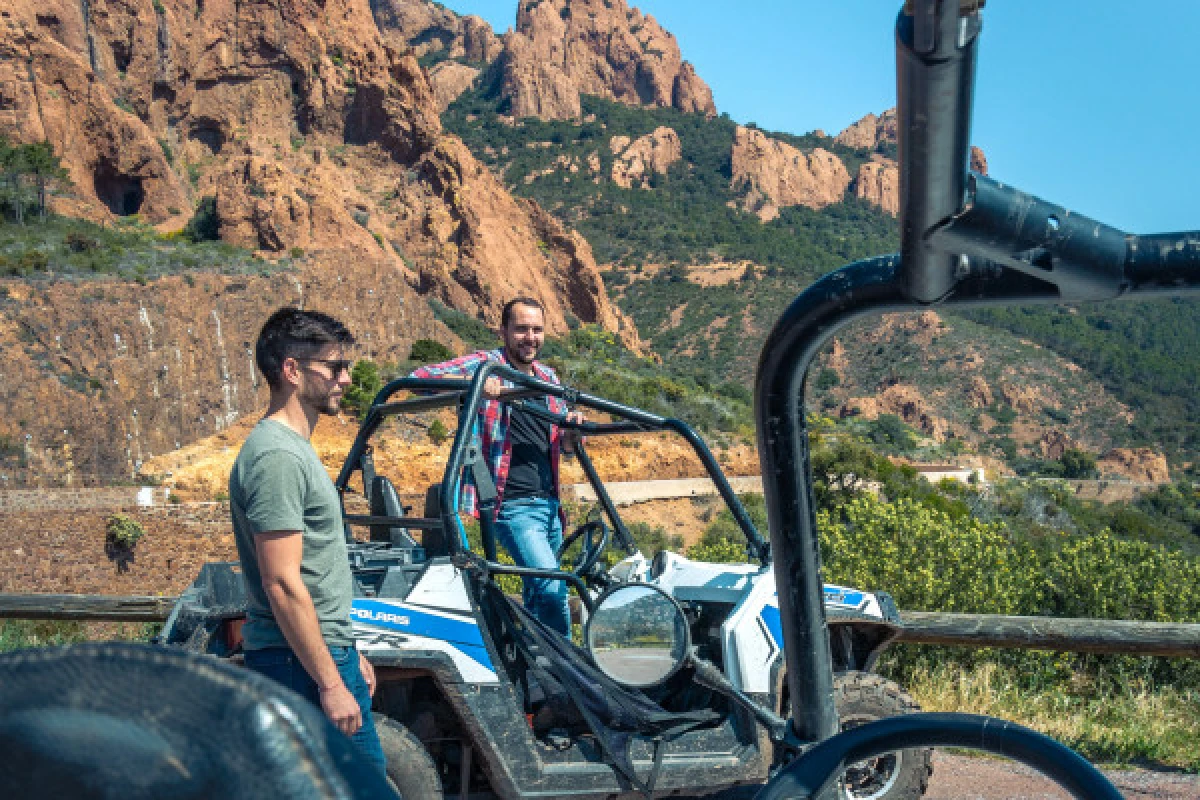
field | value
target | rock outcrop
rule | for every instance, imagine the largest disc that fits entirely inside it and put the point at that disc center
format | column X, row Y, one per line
column 978, row 161
column 637, row 161
column 305, row 126
column 312, row 135
column 428, row 28
column 449, row 79
column 904, row 401
column 769, row 175
column 978, row 393
column 564, row 48
column 1054, row 443
column 560, row 49
column 878, row 182
column 1139, row 464
column 870, row 131
column 99, row 378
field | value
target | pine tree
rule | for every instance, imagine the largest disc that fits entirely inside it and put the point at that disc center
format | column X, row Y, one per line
column 12, row 171
column 46, row 168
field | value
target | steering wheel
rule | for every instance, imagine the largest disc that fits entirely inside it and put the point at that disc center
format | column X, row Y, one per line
column 816, row 770
column 592, row 548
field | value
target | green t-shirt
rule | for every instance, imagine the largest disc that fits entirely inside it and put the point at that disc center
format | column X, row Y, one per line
column 279, row 484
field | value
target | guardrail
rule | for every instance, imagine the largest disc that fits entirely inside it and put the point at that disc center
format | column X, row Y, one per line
column 1051, row 633
column 86, row 607
column 920, row 627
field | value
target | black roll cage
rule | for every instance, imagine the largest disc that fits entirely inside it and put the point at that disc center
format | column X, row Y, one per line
column 467, row 395
column 966, row 239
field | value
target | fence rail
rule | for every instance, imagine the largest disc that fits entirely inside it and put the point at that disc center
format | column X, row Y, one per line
column 920, row 627
column 86, row 607
column 1051, row 633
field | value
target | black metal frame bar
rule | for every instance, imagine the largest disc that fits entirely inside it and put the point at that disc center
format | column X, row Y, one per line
column 467, row 394
column 965, row 239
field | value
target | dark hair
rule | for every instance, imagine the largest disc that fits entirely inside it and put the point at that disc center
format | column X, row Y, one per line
column 295, row 333
column 506, row 312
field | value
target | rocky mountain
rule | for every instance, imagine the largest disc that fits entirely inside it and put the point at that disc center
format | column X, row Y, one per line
column 560, row 50
column 563, row 50
column 372, row 157
column 304, row 125
column 315, row 140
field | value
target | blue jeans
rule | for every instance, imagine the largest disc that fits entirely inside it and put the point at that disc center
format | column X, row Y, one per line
column 530, row 529
column 281, row 664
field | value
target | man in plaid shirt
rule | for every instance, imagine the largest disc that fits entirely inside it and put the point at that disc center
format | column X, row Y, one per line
column 523, row 453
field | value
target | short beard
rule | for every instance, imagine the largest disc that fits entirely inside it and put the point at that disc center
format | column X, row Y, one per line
column 325, row 404
column 515, row 357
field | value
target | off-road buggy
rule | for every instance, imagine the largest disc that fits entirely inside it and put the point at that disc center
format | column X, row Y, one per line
column 446, row 663
column 474, row 700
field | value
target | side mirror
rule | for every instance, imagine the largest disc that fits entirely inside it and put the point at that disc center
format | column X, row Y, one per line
column 637, row 635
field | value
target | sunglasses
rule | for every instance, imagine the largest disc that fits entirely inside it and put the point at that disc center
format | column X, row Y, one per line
column 336, row 365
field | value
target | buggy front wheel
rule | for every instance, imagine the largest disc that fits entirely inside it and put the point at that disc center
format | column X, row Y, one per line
column 863, row 697
column 409, row 767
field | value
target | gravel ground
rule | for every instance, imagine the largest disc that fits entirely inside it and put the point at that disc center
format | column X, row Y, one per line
column 957, row 777
column 960, row 777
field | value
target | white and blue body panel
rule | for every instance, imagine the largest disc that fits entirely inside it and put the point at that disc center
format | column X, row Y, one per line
column 751, row 636
column 435, row 617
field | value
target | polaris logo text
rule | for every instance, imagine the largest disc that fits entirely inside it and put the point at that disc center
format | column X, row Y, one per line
column 379, row 616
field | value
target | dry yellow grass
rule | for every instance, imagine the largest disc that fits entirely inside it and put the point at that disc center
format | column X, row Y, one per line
column 1135, row 724
column 200, row 471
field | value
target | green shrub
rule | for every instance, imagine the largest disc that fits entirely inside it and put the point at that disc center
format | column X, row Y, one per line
column 928, row 559
column 891, row 433
column 650, row 539
column 205, row 225
column 123, row 531
column 365, row 383
column 32, row 261
column 1077, row 463
column 429, row 351
column 438, row 432
column 827, row 379
column 78, row 242
column 719, row 551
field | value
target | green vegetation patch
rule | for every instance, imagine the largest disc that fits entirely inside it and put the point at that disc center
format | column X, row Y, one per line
column 126, row 250
column 1147, row 354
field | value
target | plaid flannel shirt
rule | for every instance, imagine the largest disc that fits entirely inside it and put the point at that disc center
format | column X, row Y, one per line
column 491, row 426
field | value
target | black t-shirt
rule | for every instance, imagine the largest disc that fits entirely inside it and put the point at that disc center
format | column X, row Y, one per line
column 529, row 473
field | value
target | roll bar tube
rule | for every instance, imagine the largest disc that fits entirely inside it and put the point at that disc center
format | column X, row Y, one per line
column 965, row 239
column 638, row 420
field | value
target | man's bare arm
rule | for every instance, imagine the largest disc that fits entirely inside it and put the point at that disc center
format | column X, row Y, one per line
column 279, row 556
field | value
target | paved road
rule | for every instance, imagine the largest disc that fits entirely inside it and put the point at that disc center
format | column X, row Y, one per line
column 641, row 667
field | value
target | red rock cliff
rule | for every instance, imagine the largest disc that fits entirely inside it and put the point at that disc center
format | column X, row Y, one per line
column 310, row 132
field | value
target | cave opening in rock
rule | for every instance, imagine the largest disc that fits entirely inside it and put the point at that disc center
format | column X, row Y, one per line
column 122, row 54
column 122, row 194
column 208, row 135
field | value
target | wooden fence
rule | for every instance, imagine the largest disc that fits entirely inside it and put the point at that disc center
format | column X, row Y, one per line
column 920, row 627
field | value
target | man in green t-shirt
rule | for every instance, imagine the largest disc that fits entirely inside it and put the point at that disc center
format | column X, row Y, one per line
column 287, row 522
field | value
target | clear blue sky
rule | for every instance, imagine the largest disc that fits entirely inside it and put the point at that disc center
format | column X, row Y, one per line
column 1092, row 104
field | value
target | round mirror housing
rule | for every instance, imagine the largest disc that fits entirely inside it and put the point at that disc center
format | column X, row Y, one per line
column 637, row 635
